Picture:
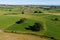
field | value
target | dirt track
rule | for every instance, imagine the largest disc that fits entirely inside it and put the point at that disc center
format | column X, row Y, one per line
column 12, row 36
column 54, row 13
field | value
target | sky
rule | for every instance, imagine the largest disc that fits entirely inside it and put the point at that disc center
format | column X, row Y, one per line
column 31, row 2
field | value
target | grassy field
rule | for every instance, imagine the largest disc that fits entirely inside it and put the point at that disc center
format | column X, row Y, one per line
column 53, row 27
column 9, row 17
column 6, row 21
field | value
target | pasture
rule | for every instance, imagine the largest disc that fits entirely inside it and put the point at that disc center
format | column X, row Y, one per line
column 10, row 15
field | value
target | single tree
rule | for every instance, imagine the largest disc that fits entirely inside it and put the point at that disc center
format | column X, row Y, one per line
column 22, row 12
column 56, row 19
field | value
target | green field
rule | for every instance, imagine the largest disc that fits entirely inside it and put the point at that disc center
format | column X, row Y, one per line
column 8, row 19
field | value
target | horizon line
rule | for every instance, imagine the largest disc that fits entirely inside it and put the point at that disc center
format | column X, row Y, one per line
column 29, row 4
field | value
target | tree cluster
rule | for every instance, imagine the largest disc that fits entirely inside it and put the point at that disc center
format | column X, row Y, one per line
column 10, row 10
column 22, row 12
column 55, row 19
column 21, row 21
column 37, row 12
column 35, row 27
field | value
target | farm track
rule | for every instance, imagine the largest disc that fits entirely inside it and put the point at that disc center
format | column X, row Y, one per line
column 54, row 14
column 12, row 36
column 1, row 31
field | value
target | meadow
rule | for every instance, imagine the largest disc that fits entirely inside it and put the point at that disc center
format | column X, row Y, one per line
column 10, row 15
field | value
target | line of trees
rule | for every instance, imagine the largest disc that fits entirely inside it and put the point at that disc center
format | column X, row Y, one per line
column 37, row 12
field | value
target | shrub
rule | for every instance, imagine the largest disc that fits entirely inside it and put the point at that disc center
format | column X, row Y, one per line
column 47, row 8
column 35, row 27
column 35, row 11
column 40, row 12
column 22, row 12
column 56, row 19
column 18, row 22
column 21, row 20
column 10, row 10
column 52, row 37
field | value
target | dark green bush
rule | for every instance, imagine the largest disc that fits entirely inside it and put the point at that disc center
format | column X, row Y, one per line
column 35, row 27
column 21, row 20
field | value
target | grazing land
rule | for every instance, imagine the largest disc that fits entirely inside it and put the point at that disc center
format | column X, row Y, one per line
column 16, row 22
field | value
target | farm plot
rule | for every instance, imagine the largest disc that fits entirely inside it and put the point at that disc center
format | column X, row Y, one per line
column 30, row 20
column 53, row 26
column 6, row 21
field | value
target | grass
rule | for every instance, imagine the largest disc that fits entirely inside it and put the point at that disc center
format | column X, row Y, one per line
column 20, row 27
column 29, row 22
column 53, row 27
column 8, row 22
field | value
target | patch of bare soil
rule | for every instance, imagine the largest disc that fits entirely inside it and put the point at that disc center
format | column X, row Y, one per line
column 12, row 36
